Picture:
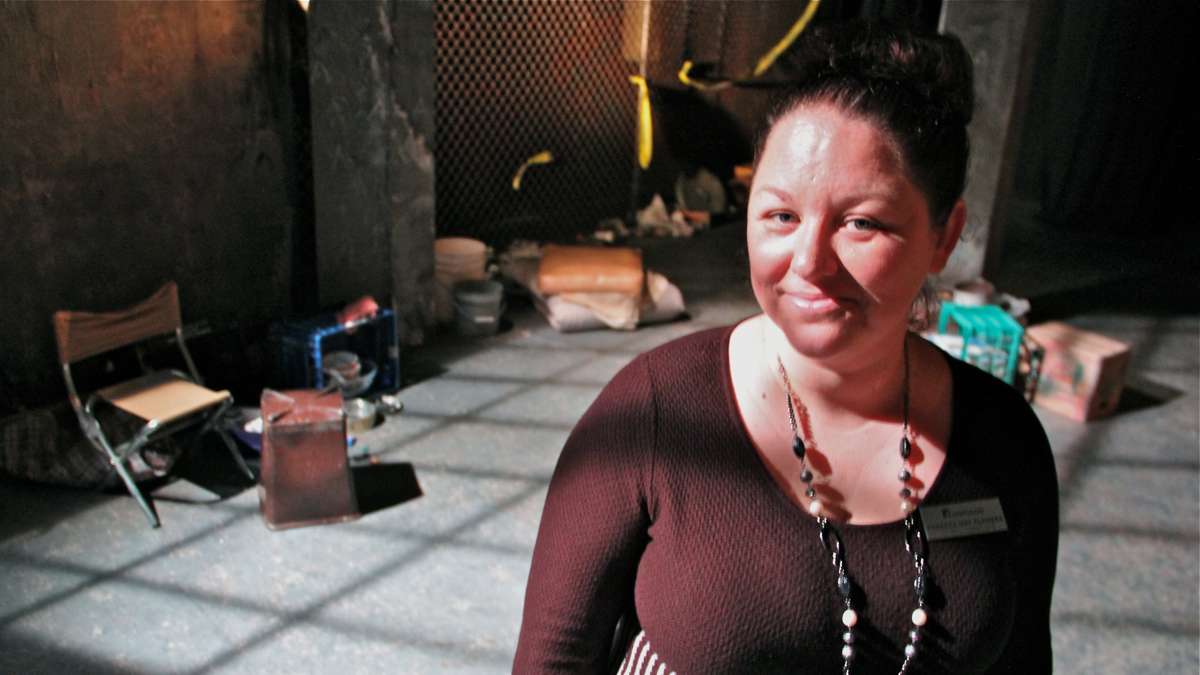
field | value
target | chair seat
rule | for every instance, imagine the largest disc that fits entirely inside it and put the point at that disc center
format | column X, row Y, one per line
column 162, row 396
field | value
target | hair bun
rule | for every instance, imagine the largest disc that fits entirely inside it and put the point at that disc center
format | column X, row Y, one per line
column 933, row 69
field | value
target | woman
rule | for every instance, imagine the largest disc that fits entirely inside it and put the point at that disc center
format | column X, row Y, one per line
column 747, row 497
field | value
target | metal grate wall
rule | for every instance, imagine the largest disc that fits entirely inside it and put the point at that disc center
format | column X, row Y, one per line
column 517, row 78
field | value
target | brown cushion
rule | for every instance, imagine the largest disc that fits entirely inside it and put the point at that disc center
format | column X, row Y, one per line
column 590, row 269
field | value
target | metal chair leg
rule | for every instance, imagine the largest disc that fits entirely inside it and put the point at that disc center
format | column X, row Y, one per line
column 216, row 423
column 237, row 455
column 147, row 507
column 117, row 460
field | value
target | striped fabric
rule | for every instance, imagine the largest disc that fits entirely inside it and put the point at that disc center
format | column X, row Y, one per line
column 641, row 659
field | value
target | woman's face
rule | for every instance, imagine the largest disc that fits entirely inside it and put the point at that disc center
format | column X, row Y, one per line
column 840, row 239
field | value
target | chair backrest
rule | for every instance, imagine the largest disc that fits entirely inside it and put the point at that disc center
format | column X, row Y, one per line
column 83, row 334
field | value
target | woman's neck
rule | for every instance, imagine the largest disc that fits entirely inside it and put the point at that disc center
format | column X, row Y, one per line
column 865, row 386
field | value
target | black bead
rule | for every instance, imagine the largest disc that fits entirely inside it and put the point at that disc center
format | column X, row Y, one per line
column 843, row 584
column 905, row 492
column 798, row 447
column 806, row 476
column 905, row 447
column 904, row 475
column 810, row 493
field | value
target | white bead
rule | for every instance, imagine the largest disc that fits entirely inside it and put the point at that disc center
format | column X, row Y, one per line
column 847, row 652
column 906, row 506
column 814, row 507
column 919, row 617
column 849, row 618
column 910, row 651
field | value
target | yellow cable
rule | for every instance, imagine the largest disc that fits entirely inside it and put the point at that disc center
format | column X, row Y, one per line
column 543, row 157
column 768, row 59
column 684, row 77
column 764, row 63
column 645, row 123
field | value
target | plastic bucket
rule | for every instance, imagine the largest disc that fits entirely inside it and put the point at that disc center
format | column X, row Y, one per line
column 478, row 305
column 455, row 259
column 459, row 258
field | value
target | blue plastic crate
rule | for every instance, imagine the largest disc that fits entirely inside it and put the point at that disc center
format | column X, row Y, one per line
column 300, row 345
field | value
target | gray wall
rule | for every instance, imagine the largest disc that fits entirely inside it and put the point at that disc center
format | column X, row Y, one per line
column 999, row 34
column 372, row 75
column 137, row 146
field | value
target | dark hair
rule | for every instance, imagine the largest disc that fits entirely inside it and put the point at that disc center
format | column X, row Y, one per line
column 916, row 87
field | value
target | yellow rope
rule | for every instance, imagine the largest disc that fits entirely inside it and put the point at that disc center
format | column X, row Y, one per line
column 702, row 86
column 543, row 157
column 768, row 59
column 645, row 123
column 765, row 62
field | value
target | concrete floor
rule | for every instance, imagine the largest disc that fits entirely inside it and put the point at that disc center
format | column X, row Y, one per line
column 435, row 584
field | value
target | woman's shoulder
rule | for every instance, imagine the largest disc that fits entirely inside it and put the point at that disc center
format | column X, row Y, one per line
column 995, row 428
column 682, row 373
column 986, row 399
column 695, row 354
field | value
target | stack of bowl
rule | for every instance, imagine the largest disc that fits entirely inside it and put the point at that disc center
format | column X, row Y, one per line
column 455, row 259
column 351, row 374
column 347, row 365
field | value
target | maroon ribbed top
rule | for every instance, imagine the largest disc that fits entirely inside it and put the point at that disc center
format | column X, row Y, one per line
column 660, row 508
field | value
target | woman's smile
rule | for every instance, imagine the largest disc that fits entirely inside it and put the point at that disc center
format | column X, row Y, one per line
column 839, row 237
column 816, row 305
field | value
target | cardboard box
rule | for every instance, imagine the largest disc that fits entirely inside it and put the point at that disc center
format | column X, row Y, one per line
column 590, row 269
column 1082, row 372
column 306, row 478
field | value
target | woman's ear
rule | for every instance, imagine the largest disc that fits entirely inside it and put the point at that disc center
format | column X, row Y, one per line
column 948, row 236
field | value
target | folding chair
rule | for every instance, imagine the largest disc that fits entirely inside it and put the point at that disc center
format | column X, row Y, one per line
column 167, row 401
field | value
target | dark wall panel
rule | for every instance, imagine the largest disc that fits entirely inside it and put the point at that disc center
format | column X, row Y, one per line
column 138, row 146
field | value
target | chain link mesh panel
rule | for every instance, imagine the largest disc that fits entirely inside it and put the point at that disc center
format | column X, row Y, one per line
column 517, row 78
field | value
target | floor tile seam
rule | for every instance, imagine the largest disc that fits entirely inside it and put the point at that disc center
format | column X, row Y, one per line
column 367, row 579
column 514, row 422
column 119, row 571
column 621, row 349
column 1173, row 369
column 354, row 629
column 513, row 379
column 1125, row 538
column 525, row 345
column 424, row 433
column 1097, row 461
column 1111, row 620
column 1161, row 461
column 473, row 472
column 1132, row 531
column 367, row 531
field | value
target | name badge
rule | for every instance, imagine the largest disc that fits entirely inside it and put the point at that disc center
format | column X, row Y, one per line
column 963, row 519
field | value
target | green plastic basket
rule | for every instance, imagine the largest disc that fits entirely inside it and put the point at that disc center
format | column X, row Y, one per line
column 991, row 339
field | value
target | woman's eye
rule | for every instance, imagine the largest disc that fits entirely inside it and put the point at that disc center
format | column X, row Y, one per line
column 783, row 217
column 863, row 224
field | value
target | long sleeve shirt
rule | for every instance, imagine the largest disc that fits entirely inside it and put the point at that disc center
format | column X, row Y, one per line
column 661, row 510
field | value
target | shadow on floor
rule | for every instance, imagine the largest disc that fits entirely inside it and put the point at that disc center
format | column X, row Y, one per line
column 380, row 486
column 29, row 654
column 1140, row 394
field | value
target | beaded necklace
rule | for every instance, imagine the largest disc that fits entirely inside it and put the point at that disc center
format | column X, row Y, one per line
column 914, row 539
